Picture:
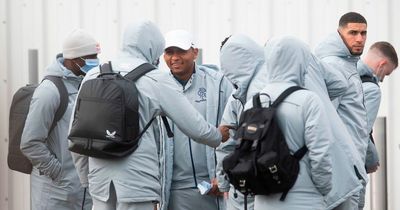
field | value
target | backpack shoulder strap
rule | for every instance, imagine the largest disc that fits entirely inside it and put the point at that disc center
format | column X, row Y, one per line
column 139, row 71
column 170, row 134
column 63, row 99
column 298, row 155
column 285, row 94
column 256, row 101
column 106, row 68
column 368, row 78
column 301, row 152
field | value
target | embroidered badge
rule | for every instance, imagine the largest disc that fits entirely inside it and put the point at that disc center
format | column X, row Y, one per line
column 202, row 93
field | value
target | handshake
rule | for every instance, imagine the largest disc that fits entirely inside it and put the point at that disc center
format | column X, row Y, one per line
column 224, row 130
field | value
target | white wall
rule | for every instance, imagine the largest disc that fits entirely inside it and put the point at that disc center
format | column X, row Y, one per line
column 43, row 24
column 392, row 105
column 3, row 107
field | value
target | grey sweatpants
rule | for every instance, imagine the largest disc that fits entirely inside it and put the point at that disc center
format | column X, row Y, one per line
column 190, row 198
column 47, row 195
column 350, row 204
column 113, row 204
column 238, row 202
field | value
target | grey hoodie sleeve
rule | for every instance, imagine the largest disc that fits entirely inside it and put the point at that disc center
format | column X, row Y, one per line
column 81, row 163
column 335, row 81
column 187, row 118
column 317, row 138
column 223, row 150
column 44, row 104
column 230, row 117
column 372, row 99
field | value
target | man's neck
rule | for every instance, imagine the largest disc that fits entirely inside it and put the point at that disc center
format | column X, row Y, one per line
column 183, row 82
column 183, row 79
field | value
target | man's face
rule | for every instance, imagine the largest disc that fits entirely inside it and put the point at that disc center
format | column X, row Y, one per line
column 75, row 64
column 80, row 62
column 179, row 61
column 354, row 36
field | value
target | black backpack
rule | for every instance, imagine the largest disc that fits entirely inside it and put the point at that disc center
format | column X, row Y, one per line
column 18, row 112
column 106, row 117
column 261, row 163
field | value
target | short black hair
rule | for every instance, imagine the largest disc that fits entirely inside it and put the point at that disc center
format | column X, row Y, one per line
column 351, row 17
column 387, row 50
column 224, row 41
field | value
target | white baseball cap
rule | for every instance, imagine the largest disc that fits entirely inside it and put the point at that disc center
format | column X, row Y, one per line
column 79, row 43
column 179, row 38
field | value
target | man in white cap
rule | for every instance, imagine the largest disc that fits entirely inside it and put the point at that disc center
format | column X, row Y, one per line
column 134, row 182
column 54, row 179
column 187, row 163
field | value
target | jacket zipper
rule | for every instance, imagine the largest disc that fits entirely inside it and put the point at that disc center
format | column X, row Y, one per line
column 191, row 159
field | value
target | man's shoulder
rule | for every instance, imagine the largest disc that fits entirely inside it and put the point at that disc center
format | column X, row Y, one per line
column 209, row 67
column 333, row 59
column 210, row 70
column 370, row 88
column 157, row 75
column 47, row 87
column 339, row 63
column 46, row 94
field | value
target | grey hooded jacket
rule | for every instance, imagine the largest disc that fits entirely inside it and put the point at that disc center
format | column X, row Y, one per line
column 231, row 116
column 326, row 81
column 218, row 90
column 137, row 177
column 372, row 93
column 241, row 59
column 350, row 106
column 54, row 178
column 323, row 81
column 372, row 100
column 301, row 114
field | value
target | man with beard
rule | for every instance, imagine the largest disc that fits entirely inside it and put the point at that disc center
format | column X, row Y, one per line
column 342, row 51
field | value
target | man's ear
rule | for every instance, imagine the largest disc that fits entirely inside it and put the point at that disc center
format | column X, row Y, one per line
column 68, row 63
column 340, row 30
column 383, row 62
column 195, row 52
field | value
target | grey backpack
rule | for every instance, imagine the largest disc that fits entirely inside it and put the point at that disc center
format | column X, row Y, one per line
column 18, row 112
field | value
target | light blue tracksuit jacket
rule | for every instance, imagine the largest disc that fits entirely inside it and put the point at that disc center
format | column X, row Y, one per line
column 323, row 81
column 218, row 90
column 241, row 59
column 54, row 179
column 350, row 105
column 303, row 120
column 137, row 177
column 372, row 100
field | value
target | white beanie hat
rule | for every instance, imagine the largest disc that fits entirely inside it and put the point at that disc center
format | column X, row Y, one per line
column 179, row 38
column 79, row 43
